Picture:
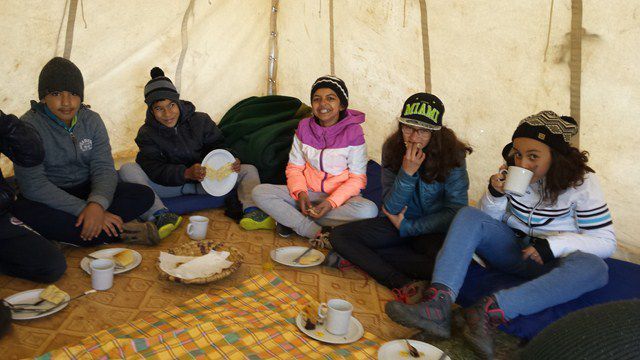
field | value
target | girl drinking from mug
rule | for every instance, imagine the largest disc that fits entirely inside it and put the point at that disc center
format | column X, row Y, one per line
column 424, row 184
column 326, row 170
column 555, row 235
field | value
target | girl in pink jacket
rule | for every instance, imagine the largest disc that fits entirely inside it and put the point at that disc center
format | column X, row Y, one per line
column 326, row 170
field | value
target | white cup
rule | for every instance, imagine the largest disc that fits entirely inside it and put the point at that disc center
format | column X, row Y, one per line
column 197, row 228
column 517, row 181
column 102, row 274
column 338, row 315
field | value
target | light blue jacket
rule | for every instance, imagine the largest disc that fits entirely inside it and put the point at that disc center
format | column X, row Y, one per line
column 430, row 207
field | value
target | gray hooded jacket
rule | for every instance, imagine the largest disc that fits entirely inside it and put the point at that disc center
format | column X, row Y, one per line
column 71, row 159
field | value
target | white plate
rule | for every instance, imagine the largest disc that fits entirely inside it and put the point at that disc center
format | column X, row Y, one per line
column 397, row 349
column 319, row 333
column 216, row 159
column 108, row 254
column 32, row 297
column 286, row 255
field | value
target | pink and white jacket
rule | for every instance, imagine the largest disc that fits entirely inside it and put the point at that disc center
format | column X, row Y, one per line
column 331, row 159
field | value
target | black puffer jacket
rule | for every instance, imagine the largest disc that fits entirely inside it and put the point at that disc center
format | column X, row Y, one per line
column 21, row 143
column 165, row 153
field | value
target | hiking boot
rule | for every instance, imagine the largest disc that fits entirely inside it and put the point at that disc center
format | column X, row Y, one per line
column 141, row 233
column 166, row 223
column 336, row 261
column 321, row 241
column 256, row 220
column 481, row 320
column 433, row 315
column 411, row 293
column 284, row 231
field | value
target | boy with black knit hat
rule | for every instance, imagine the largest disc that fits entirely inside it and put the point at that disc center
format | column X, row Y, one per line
column 173, row 141
column 74, row 195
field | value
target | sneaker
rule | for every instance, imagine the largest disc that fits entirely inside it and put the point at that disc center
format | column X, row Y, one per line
column 481, row 320
column 433, row 316
column 256, row 220
column 411, row 293
column 142, row 233
column 166, row 223
column 284, row 231
column 336, row 261
column 321, row 241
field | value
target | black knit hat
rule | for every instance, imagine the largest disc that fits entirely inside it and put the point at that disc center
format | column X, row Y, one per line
column 159, row 88
column 422, row 110
column 547, row 127
column 334, row 83
column 60, row 74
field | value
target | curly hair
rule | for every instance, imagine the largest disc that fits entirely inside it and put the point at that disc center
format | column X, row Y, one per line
column 566, row 170
column 444, row 153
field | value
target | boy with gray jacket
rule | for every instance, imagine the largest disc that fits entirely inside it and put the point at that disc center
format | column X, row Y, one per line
column 74, row 195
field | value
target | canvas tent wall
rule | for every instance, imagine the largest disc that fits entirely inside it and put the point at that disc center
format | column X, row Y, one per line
column 492, row 63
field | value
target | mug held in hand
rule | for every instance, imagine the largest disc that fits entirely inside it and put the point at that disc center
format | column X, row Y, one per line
column 517, row 180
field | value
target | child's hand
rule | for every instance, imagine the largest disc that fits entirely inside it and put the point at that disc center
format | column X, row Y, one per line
column 91, row 218
column 304, row 203
column 320, row 210
column 112, row 224
column 531, row 253
column 196, row 172
column 412, row 159
column 396, row 220
column 497, row 180
column 236, row 166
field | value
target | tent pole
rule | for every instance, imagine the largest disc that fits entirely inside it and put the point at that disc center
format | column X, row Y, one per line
column 575, row 64
column 273, row 50
column 426, row 55
column 71, row 22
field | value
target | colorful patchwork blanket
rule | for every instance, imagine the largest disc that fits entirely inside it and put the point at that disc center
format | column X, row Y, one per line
column 255, row 320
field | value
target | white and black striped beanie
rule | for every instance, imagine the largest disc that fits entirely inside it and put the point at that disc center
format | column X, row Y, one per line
column 334, row 83
column 159, row 88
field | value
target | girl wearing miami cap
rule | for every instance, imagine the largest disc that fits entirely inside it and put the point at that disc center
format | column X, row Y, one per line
column 424, row 184
column 555, row 235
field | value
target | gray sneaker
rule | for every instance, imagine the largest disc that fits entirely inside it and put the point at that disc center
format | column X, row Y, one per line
column 284, row 231
column 140, row 233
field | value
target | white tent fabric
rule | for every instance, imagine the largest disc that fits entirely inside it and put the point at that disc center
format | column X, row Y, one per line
column 491, row 63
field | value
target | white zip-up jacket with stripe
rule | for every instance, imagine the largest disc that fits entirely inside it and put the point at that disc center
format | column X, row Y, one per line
column 579, row 221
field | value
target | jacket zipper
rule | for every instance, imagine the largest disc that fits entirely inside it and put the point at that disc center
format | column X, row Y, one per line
column 75, row 143
column 322, row 169
column 540, row 193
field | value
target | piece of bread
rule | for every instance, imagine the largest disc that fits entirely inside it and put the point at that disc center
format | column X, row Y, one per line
column 309, row 259
column 220, row 173
column 53, row 295
column 124, row 258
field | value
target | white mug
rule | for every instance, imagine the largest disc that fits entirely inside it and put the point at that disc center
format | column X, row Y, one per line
column 102, row 273
column 197, row 228
column 338, row 315
column 517, row 181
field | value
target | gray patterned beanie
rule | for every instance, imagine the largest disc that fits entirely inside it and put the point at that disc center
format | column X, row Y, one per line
column 159, row 88
column 548, row 128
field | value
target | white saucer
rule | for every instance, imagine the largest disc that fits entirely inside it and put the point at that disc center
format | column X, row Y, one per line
column 108, row 254
column 397, row 349
column 215, row 160
column 286, row 255
column 32, row 297
column 319, row 333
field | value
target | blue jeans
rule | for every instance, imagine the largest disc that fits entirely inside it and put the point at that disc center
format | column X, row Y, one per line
column 248, row 178
column 553, row 283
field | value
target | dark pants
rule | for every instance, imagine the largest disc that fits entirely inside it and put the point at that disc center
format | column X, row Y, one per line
column 27, row 255
column 129, row 202
column 376, row 247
